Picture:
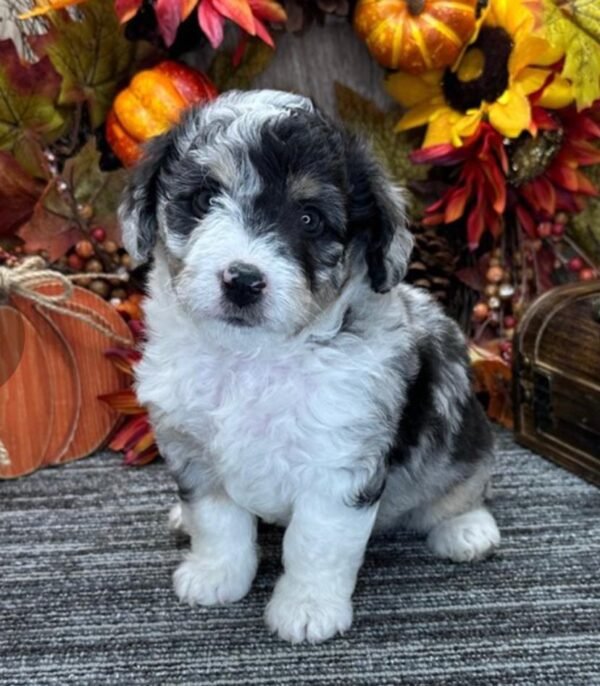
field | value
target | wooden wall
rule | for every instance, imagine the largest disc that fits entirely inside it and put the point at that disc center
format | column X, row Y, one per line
column 311, row 63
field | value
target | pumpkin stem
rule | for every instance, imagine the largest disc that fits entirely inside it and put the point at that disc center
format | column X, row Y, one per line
column 415, row 7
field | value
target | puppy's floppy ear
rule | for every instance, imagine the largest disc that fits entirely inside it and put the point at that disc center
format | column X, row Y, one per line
column 137, row 212
column 377, row 217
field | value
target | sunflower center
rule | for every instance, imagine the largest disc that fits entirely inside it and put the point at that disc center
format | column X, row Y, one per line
column 482, row 75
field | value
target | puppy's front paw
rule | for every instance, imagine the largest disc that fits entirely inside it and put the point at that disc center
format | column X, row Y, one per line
column 204, row 581
column 299, row 613
column 470, row 536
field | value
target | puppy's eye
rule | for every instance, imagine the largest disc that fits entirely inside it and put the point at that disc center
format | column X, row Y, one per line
column 311, row 221
column 203, row 200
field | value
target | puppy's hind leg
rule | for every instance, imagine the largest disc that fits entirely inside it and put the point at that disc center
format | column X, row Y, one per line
column 458, row 526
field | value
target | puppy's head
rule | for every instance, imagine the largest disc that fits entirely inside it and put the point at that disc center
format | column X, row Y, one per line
column 262, row 209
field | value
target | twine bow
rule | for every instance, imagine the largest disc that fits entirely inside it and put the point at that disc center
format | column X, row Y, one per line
column 22, row 281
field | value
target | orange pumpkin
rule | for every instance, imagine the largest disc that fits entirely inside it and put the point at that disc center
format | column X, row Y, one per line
column 152, row 102
column 54, row 368
column 415, row 35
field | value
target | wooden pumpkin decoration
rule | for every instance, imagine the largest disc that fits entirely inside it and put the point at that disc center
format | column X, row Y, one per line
column 152, row 102
column 54, row 340
column 415, row 35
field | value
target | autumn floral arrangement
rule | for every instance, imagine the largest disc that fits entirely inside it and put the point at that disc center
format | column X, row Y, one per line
column 496, row 135
column 504, row 97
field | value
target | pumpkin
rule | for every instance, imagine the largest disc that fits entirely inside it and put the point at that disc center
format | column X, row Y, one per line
column 54, row 368
column 152, row 102
column 416, row 35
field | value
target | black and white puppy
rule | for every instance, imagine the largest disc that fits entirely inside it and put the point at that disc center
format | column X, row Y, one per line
column 287, row 372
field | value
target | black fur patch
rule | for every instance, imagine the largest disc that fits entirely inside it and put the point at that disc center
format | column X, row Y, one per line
column 181, row 214
column 474, row 439
column 188, row 479
column 419, row 414
column 373, row 491
column 308, row 145
column 373, row 217
column 145, row 187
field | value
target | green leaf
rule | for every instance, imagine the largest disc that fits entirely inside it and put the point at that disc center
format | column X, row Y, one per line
column 583, row 13
column 582, row 51
column 226, row 76
column 364, row 118
column 29, row 116
column 584, row 227
column 46, row 231
column 90, row 185
column 91, row 54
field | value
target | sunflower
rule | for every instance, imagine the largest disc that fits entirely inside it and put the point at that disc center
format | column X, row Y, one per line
column 503, row 65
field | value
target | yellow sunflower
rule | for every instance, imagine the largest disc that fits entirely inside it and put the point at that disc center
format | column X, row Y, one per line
column 503, row 64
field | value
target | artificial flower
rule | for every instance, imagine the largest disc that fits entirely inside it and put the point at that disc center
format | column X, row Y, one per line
column 492, row 81
column 250, row 15
column 546, row 176
column 536, row 177
column 479, row 189
column 135, row 437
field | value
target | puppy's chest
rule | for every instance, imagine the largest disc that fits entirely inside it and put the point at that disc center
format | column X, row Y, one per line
column 273, row 425
column 290, row 402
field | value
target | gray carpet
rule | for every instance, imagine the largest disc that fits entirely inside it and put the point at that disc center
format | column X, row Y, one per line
column 85, row 592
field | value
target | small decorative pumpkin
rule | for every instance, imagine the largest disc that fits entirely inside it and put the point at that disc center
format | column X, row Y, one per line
column 52, row 373
column 152, row 102
column 416, row 35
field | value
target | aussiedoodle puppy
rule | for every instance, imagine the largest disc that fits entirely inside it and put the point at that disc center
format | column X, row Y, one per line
column 288, row 373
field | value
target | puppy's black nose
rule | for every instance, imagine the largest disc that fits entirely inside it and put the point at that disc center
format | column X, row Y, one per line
column 243, row 283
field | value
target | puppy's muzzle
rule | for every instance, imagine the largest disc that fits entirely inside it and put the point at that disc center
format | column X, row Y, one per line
column 243, row 284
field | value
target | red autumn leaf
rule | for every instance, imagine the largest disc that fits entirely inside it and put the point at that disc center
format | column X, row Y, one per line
column 475, row 222
column 133, row 458
column 526, row 221
column 261, row 31
column 545, row 196
column 127, row 9
column 239, row 11
column 19, row 192
column 48, row 231
column 124, row 359
column 455, row 205
column 442, row 155
column 211, row 23
column 268, row 10
column 130, row 433
column 124, row 401
column 168, row 16
column 492, row 375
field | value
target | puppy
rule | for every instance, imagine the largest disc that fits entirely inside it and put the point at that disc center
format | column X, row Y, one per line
column 289, row 375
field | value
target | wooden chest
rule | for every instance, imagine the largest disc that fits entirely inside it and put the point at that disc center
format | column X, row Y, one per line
column 557, row 378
